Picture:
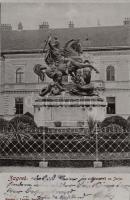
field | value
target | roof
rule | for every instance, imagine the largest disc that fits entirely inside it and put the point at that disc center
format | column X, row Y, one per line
column 105, row 36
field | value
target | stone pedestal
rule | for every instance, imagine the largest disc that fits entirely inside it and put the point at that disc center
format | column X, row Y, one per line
column 69, row 110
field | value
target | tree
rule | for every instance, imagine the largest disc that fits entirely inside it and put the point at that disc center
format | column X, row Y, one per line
column 3, row 124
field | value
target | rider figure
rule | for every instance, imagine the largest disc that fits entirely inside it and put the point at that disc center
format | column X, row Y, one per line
column 63, row 62
column 56, row 43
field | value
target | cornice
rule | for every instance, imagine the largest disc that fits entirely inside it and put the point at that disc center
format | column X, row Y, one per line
column 40, row 51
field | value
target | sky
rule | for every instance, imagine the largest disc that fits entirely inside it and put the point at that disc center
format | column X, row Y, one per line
column 59, row 14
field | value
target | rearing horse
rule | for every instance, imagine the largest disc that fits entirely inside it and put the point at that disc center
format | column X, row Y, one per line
column 62, row 62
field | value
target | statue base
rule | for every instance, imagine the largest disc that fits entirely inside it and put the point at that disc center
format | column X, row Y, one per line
column 70, row 111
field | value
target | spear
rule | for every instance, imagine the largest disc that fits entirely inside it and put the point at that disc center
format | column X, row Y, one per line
column 46, row 42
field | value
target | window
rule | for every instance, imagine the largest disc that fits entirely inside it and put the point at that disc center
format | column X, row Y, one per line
column 110, row 73
column 19, row 105
column 111, row 107
column 19, row 75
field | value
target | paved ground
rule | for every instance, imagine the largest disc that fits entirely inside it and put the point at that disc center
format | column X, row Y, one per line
column 65, row 170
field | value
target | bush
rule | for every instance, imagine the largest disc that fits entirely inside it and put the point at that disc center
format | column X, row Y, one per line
column 128, row 123
column 115, row 120
column 22, row 122
column 3, row 124
column 28, row 114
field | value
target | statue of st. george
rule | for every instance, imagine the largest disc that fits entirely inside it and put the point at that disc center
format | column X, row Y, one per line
column 61, row 62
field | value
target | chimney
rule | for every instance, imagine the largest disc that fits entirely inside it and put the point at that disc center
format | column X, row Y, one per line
column 20, row 26
column 71, row 24
column 126, row 22
column 44, row 25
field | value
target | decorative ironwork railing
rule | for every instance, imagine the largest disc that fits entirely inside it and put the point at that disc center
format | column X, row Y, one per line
column 25, row 144
column 62, row 143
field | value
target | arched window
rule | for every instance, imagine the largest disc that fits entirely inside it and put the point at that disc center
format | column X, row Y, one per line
column 19, row 75
column 110, row 73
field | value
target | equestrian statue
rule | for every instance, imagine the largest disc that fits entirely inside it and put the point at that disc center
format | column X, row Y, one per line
column 65, row 61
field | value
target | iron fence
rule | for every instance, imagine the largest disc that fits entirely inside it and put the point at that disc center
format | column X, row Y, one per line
column 62, row 143
column 23, row 145
column 113, row 143
column 108, row 143
column 69, row 144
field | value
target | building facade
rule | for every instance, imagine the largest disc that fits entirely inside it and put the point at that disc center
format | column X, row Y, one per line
column 107, row 47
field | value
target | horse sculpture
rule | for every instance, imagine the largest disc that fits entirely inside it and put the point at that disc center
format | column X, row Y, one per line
column 61, row 62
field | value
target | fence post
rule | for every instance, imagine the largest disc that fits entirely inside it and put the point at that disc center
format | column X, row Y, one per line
column 43, row 163
column 97, row 163
column 96, row 132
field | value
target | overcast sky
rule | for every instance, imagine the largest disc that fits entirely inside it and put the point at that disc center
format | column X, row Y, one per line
column 59, row 14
